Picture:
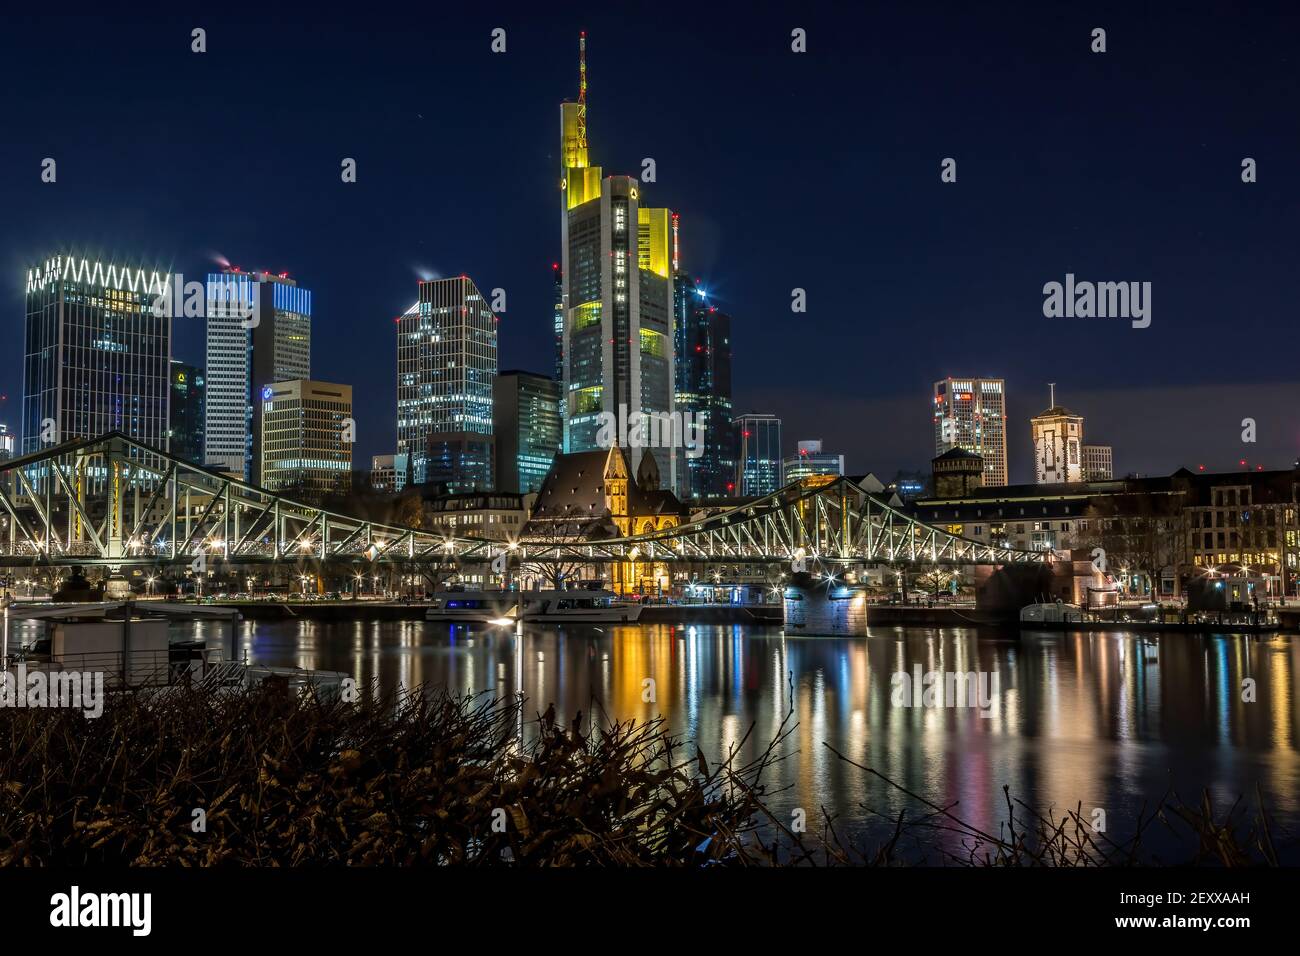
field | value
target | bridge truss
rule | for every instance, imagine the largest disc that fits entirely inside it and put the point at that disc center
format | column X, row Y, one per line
column 114, row 501
column 834, row 523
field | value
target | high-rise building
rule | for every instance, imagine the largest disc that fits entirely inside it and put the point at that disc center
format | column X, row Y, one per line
column 703, row 388
column 617, row 299
column 557, row 275
column 97, row 353
column 1058, row 444
column 446, row 371
column 185, row 436
column 528, row 430
column 1098, row 463
column 6, row 443
column 305, row 448
column 758, row 454
column 970, row 413
column 810, row 461
column 258, row 333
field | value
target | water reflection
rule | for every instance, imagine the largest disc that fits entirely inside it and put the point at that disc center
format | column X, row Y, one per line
column 1104, row 719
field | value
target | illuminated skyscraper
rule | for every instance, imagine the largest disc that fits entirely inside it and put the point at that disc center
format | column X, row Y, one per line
column 304, row 444
column 617, row 296
column 703, row 370
column 970, row 413
column 446, row 372
column 185, row 436
column 527, row 429
column 258, row 333
column 6, row 443
column 97, row 355
column 558, row 276
column 758, row 454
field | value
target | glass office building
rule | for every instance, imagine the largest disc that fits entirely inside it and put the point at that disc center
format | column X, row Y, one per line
column 703, row 388
column 185, row 437
column 96, row 355
column 446, row 374
column 304, row 450
column 971, row 414
column 758, row 444
column 258, row 333
column 527, row 428
column 617, row 297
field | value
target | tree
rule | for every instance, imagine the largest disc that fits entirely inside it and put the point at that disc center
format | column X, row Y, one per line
column 1139, row 533
column 545, row 532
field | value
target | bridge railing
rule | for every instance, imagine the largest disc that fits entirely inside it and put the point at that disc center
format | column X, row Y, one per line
column 124, row 669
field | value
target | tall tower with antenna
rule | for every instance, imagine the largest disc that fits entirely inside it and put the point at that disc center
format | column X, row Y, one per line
column 573, row 135
column 582, row 90
column 616, row 301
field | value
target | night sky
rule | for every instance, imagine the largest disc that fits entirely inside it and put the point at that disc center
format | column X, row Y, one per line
column 819, row 171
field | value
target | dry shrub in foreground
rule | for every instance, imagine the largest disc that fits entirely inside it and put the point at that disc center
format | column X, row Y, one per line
column 441, row 779
column 288, row 781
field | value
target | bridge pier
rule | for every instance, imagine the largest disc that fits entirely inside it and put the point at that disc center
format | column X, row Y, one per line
column 823, row 608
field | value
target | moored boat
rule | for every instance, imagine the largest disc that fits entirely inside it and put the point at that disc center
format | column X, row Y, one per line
column 593, row 606
column 472, row 607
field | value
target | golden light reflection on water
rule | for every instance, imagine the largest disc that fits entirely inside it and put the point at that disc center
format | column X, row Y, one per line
column 1106, row 719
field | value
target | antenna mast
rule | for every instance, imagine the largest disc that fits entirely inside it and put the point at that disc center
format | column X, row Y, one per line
column 582, row 90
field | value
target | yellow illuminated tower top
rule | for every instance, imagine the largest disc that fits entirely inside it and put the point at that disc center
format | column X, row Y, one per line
column 582, row 90
column 578, row 178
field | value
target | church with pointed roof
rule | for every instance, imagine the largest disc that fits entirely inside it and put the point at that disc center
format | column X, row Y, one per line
column 593, row 496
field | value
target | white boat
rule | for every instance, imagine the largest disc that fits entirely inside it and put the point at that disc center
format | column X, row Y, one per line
column 1057, row 613
column 473, row 607
column 593, row 607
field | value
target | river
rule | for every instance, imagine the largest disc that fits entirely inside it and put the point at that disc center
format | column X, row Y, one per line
column 1105, row 720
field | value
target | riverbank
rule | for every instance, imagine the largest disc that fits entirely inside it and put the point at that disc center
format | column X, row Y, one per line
column 878, row 615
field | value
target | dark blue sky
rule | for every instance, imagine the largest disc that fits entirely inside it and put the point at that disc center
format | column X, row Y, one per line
column 818, row 171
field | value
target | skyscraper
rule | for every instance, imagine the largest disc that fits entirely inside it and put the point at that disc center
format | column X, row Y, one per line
column 6, row 443
column 758, row 454
column 703, row 388
column 185, row 434
column 558, row 277
column 258, row 333
column 617, row 298
column 97, row 353
column 970, row 413
column 304, row 445
column 1058, row 444
column 527, row 428
column 446, row 372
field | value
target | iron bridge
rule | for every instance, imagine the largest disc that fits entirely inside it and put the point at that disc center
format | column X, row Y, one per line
column 114, row 501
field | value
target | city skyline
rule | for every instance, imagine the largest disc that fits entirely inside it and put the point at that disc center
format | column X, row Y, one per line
column 894, row 468
column 1139, row 401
